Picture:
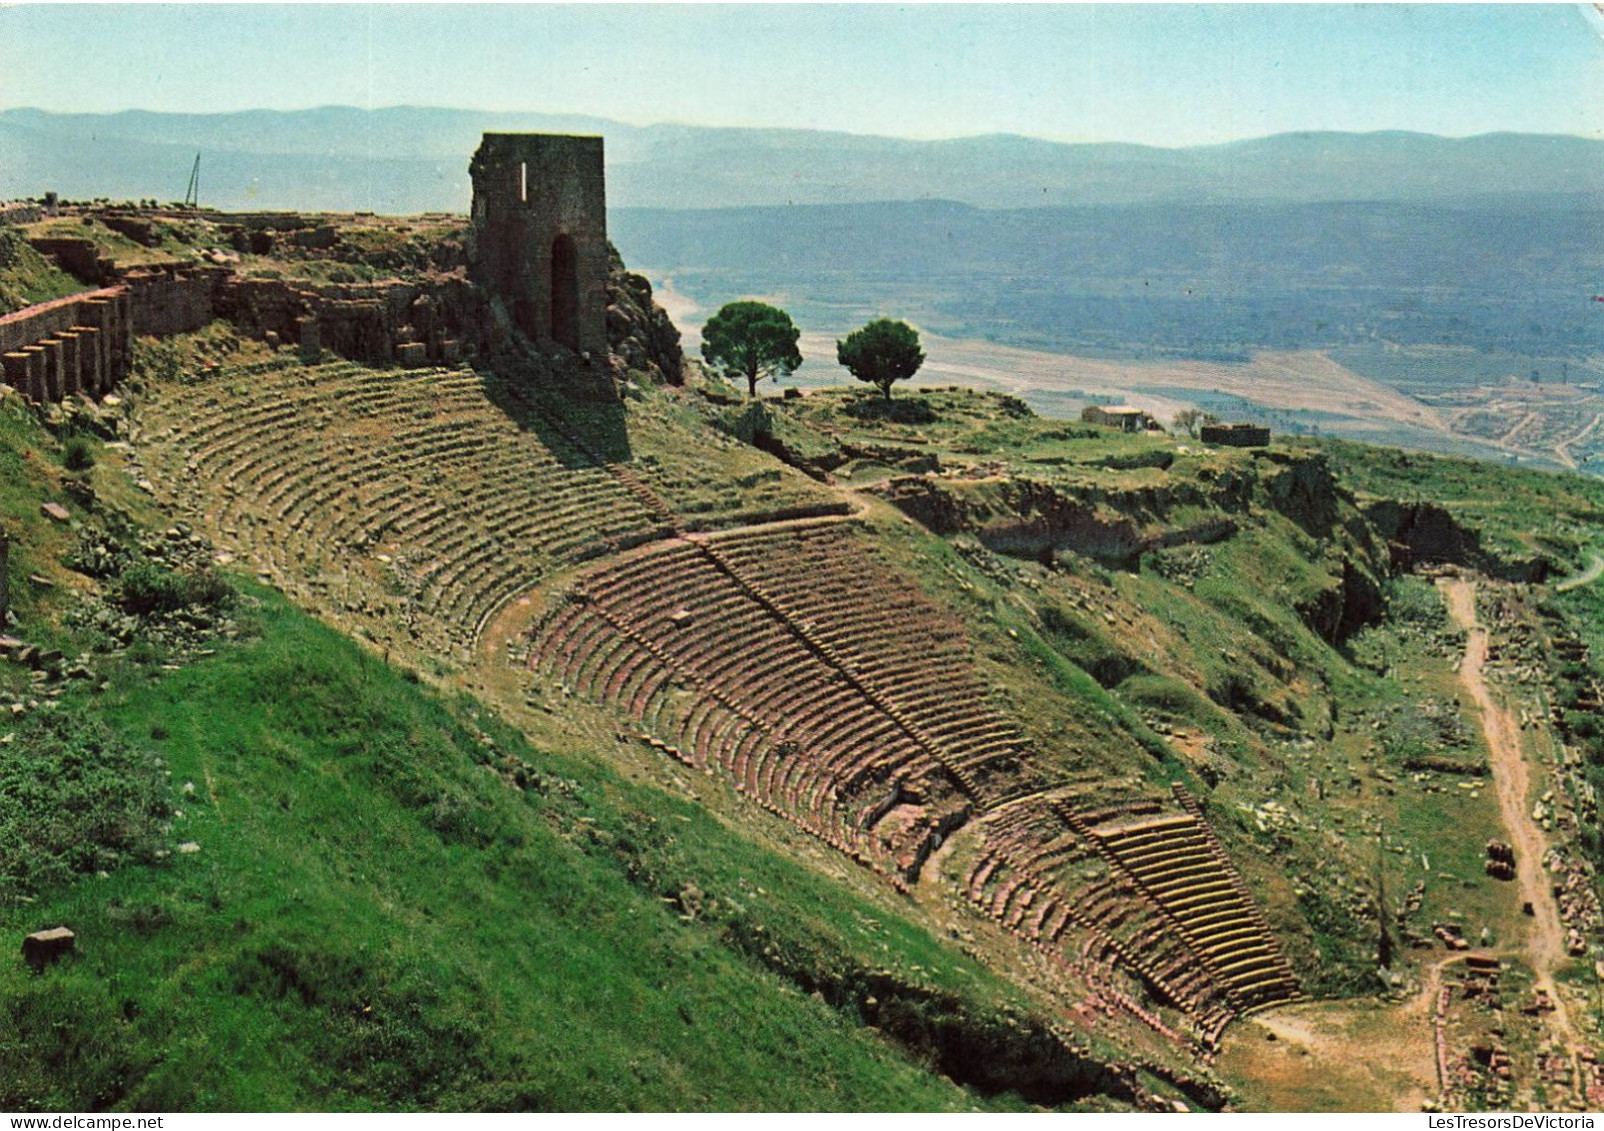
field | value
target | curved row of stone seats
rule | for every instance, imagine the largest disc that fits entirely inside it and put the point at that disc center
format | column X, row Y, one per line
column 1028, row 837
column 1173, row 858
column 1106, row 812
column 1027, row 876
column 1172, row 928
column 1216, row 851
column 720, row 628
column 608, row 664
column 757, row 703
column 884, row 632
column 1095, row 962
column 418, row 466
column 825, row 576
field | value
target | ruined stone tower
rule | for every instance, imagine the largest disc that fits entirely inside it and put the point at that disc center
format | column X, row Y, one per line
column 540, row 235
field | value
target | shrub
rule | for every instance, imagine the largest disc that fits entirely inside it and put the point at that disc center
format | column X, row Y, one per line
column 148, row 588
column 898, row 412
column 77, row 455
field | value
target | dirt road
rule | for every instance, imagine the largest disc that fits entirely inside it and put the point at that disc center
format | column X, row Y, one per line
column 1595, row 567
column 1545, row 946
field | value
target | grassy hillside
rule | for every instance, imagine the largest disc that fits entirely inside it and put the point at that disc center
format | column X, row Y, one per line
column 1518, row 513
column 26, row 277
column 375, row 917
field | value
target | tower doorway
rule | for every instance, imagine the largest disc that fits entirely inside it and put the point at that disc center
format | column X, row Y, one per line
column 565, row 292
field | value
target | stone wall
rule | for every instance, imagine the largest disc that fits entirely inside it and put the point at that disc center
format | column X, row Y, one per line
column 410, row 323
column 82, row 344
column 1235, row 435
column 79, row 257
column 538, row 244
column 539, row 237
column 21, row 212
column 264, row 307
column 79, row 344
column 173, row 299
column 403, row 322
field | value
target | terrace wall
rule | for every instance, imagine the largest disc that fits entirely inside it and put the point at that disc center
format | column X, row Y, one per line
column 78, row 344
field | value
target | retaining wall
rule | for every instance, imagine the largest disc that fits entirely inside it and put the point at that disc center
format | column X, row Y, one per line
column 78, row 344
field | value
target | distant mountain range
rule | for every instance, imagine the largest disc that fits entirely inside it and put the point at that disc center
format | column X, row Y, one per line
column 414, row 159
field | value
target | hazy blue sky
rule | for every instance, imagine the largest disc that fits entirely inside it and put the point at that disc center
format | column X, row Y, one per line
column 1157, row 74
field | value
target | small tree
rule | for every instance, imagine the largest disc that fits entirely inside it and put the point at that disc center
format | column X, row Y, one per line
column 752, row 340
column 881, row 353
column 1186, row 420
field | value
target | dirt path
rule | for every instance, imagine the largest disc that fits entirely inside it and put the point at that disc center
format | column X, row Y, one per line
column 1329, row 1056
column 1545, row 947
column 1563, row 448
column 1595, row 568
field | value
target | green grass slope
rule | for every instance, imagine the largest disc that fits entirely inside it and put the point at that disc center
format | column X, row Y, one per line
column 27, row 277
column 374, row 918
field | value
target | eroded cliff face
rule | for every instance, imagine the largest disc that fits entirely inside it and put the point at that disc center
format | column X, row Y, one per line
column 1302, row 487
column 1031, row 518
column 1424, row 534
column 640, row 334
column 1353, row 600
column 1026, row 517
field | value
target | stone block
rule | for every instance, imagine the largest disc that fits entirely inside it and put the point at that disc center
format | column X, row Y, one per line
column 54, row 381
column 36, row 373
column 91, row 367
column 69, row 363
column 16, row 370
column 43, row 948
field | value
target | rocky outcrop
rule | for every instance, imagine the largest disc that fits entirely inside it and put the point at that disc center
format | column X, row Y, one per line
column 1301, row 487
column 640, row 334
column 1027, row 518
column 1353, row 600
column 1425, row 534
column 1045, row 521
